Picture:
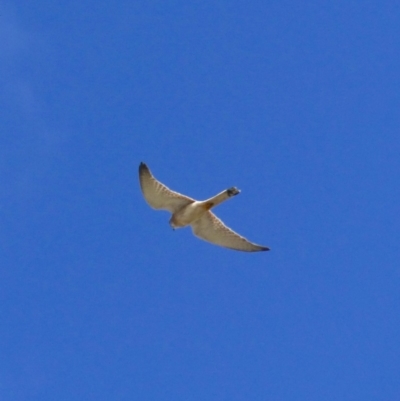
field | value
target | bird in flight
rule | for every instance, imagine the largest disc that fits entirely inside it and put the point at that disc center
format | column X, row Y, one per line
column 197, row 214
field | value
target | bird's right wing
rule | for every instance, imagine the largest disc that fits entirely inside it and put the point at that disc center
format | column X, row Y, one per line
column 157, row 195
column 210, row 228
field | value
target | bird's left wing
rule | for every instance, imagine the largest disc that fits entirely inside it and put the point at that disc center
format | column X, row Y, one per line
column 157, row 195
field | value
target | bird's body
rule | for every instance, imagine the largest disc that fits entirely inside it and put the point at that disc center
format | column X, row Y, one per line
column 188, row 214
column 187, row 211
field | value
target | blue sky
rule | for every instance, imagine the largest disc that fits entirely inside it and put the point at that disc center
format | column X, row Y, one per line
column 296, row 104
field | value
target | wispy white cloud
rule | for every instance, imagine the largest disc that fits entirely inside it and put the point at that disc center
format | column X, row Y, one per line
column 17, row 47
column 29, row 141
column 14, row 40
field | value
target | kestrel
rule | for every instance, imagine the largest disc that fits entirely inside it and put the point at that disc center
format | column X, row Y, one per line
column 190, row 212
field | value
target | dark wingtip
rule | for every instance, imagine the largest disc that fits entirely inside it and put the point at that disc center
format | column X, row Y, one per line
column 265, row 248
column 142, row 167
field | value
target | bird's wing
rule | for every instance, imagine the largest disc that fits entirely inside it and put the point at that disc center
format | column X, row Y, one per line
column 157, row 195
column 210, row 228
